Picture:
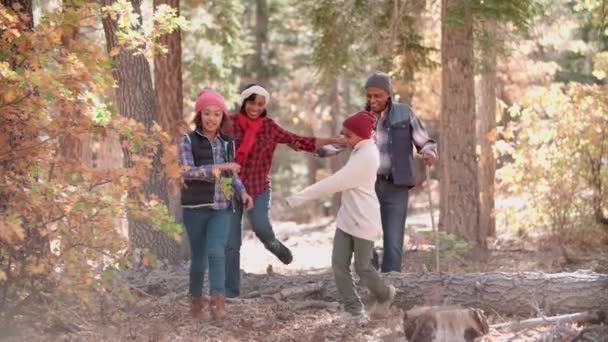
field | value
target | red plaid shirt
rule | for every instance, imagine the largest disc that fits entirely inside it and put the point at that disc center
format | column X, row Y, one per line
column 255, row 172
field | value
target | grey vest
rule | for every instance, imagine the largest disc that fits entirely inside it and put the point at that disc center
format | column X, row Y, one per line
column 400, row 145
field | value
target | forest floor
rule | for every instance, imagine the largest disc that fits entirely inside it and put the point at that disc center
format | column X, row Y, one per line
column 161, row 311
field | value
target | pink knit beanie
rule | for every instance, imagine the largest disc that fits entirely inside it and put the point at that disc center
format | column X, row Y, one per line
column 209, row 97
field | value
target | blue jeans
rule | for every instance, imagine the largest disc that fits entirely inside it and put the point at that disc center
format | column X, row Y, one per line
column 393, row 211
column 207, row 232
column 260, row 222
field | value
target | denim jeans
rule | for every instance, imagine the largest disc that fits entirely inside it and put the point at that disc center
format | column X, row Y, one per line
column 259, row 216
column 207, row 233
column 344, row 246
column 393, row 211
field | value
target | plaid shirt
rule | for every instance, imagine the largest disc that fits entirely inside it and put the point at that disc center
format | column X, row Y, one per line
column 424, row 144
column 256, row 170
column 205, row 172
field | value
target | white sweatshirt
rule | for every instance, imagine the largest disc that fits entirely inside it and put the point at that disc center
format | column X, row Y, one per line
column 359, row 214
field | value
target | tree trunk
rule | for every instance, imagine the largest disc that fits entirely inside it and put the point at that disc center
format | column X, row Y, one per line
column 338, row 161
column 261, row 68
column 458, row 167
column 168, row 77
column 521, row 294
column 487, row 133
column 74, row 143
column 135, row 99
column 170, row 102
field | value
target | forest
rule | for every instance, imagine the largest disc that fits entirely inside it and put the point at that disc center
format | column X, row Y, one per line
column 507, row 231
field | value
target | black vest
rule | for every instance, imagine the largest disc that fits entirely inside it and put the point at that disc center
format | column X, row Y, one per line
column 199, row 192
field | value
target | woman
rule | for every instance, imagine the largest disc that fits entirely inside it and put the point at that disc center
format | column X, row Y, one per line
column 257, row 136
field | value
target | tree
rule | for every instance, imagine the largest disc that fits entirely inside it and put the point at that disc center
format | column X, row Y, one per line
column 260, row 65
column 459, row 199
column 487, row 134
column 489, row 17
column 168, row 91
column 135, row 99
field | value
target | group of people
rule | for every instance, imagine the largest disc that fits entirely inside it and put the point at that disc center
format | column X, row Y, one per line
column 227, row 161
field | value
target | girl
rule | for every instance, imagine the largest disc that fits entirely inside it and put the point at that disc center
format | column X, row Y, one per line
column 256, row 139
column 209, row 182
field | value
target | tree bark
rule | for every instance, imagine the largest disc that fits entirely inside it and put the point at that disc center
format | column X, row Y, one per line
column 168, row 77
column 338, row 161
column 521, row 294
column 135, row 99
column 170, row 101
column 487, row 133
column 74, row 143
column 261, row 68
column 458, row 167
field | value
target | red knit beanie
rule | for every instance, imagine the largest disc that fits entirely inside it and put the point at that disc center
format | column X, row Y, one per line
column 209, row 97
column 361, row 123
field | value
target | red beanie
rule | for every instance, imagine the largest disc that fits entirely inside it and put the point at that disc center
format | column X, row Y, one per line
column 361, row 123
column 209, row 97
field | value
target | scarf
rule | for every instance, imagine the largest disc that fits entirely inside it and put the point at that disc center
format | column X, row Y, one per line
column 251, row 128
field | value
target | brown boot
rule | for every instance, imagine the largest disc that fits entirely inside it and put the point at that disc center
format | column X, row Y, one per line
column 197, row 308
column 216, row 306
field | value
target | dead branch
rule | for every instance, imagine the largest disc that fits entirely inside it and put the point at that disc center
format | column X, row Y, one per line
column 300, row 290
column 317, row 304
column 580, row 317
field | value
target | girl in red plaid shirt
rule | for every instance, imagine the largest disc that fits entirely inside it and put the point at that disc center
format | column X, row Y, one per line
column 256, row 137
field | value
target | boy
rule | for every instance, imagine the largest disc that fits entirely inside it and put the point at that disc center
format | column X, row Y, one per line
column 358, row 221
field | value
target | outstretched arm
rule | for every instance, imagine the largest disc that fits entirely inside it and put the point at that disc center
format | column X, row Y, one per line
column 347, row 177
column 298, row 142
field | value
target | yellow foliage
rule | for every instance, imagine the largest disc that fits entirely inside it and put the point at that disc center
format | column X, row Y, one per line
column 559, row 145
column 57, row 228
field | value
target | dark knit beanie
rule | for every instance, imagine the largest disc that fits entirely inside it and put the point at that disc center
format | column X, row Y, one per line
column 380, row 80
column 361, row 123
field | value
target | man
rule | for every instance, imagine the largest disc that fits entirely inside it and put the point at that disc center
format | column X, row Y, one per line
column 397, row 131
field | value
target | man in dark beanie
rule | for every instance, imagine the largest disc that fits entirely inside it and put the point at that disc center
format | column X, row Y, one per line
column 397, row 131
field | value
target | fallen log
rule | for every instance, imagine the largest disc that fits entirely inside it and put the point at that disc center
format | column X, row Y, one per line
column 506, row 293
column 520, row 294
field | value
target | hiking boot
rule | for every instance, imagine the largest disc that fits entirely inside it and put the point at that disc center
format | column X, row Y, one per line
column 217, row 306
column 197, row 307
column 381, row 309
column 376, row 260
column 280, row 251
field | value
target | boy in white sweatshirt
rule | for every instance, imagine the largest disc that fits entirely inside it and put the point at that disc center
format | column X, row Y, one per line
column 358, row 222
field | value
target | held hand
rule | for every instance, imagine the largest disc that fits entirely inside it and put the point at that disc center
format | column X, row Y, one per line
column 247, row 201
column 234, row 167
column 340, row 140
column 429, row 159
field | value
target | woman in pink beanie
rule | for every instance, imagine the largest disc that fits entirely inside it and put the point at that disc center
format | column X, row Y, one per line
column 210, row 186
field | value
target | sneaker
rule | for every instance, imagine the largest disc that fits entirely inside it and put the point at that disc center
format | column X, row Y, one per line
column 381, row 309
column 358, row 318
column 280, row 251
